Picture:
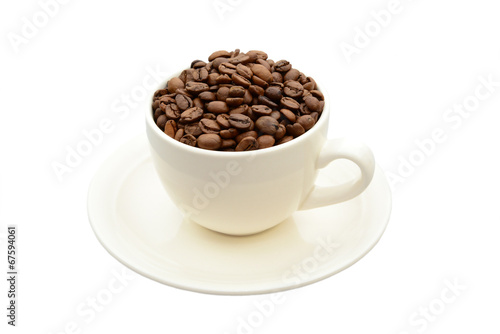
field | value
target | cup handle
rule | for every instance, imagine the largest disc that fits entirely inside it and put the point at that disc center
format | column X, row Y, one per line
column 341, row 148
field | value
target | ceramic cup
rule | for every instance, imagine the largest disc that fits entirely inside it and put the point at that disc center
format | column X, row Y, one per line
column 242, row 193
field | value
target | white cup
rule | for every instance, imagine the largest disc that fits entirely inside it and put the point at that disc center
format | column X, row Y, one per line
column 241, row 193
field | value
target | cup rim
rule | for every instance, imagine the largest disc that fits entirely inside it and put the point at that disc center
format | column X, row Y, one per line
column 241, row 154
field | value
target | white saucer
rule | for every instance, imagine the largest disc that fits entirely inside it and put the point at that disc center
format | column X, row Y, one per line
column 136, row 222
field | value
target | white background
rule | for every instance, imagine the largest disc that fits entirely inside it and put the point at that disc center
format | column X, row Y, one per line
column 66, row 78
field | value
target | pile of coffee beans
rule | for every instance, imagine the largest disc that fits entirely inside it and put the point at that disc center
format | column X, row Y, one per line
column 238, row 102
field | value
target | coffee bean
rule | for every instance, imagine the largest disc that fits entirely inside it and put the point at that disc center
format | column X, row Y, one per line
column 240, row 80
column 217, row 54
column 198, row 103
column 234, row 101
column 259, row 54
column 312, row 103
column 289, row 103
column 209, row 141
column 172, row 111
column 266, row 101
column 229, row 133
column 292, row 74
column 217, row 107
column 317, row 94
column 264, row 63
column 252, row 133
column 183, row 102
column 247, row 144
column 223, row 79
column 276, row 115
column 293, row 88
column 247, row 98
column 285, row 139
column 196, row 87
column 223, row 121
column 261, row 110
column 191, row 115
column 173, row 84
column 209, row 126
column 209, row 115
column 277, row 77
column 198, row 63
column 267, row 125
column 161, row 121
column 240, row 59
column 244, row 71
column 289, row 115
column 265, row 141
column 222, row 93
column 280, row 133
column 240, row 121
column 306, row 121
column 187, row 75
column 228, row 143
column 188, row 140
column 262, row 72
column 227, row 68
column 236, row 91
column 274, row 93
column 282, row 66
column 212, row 77
column 200, row 74
column 243, row 109
column 295, row 129
column 166, row 99
column 315, row 116
column 171, row 128
column 179, row 134
column 193, row 129
column 158, row 112
column 259, row 82
column 208, row 96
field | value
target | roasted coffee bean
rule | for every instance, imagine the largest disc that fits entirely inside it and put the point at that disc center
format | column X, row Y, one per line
column 223, row 79
column 173, row 84
column 172, row 111
column 227, row 68
column 280, row 133
column 312, row 103
column 285, row 139
column 252, row 133
column 259, row 54
column 196, row 87
column 187, row 75
column 156, row 104
column 229, row 133
column 315, row 116
column 277, row 77
column 274, row 93
column 256, row 90
column 292, row 74
column 244, row 71
column 179, row 134
column 247, row 98
column 265, row 141
column 310, row 85
column 267, row 125
column 212, row 77
column 193, row 129
column 191, row 115
column 234, row 101
column 160, row 92
column 171, row 128
column 161, row 121
column 198, row 63
column 198, row 103
column 228, row 143
column 236, row 91
column 217, row 54
column 188, row 140
column 183, row 102
column 317, row 94
column 261, row 110
column 288, row 114
column 200, row 74
column 209, row 141
column 240, row 59
column 208, row 115
column 208, row 96
column 259, row 82
column 289, row 103
column 293, row 88
column 267, row 101
column 264, row 63
column 306, row 121
column 276, row 115
column 240, row 121
column 240, row 80
column 217, row 107
column 247, row 144
column 166, row 99
column 243, row 109
column 222, row 93
column 223, row 121
column 295, row 129
column 209, row 126
column 282, row 66
column 262, row 72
